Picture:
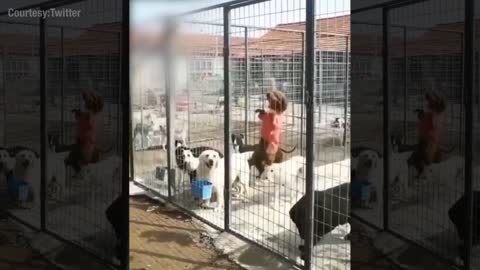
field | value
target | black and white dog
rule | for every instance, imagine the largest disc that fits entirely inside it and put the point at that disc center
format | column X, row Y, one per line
column 331, row 210
column 183, row 158
column 238, row 142
column 6, row 166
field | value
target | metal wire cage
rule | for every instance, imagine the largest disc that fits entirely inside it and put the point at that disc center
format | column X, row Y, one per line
column 46, row 64
column 415, row 50
column 222, row 62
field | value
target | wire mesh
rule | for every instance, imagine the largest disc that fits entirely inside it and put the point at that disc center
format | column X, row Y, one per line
column 419, row 66
column 332, row 134
column 77, row 59
column 76, row 65
column 20, row 117
column 266, row 52
column 425, row 55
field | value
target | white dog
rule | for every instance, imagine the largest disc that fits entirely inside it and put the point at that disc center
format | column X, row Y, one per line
column 156, row 138
column 180, row 134
column 27, row 169
column 399, row 172
column 211, row 168
column 287, row 177
column 241, row 170
column 56, row 175
column 366, row 164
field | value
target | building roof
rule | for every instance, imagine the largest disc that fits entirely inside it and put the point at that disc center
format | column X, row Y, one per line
column 100, row 39
column 332, row 35
column 283, row 39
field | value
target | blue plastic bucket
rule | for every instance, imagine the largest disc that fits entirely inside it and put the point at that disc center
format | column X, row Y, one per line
column 202, row 189
column 18, row 190
column 360, row 191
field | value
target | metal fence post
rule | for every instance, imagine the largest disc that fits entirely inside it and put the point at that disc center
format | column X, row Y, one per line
column 310, row 152
column 226, row 110
column 302, row 104
column 320, row 86
column 170, row 109
column 127, row 150
column 247, row 77
column 345, row 93
column 405, row 86
column 469, row 103
column 119, row 98
column 43, row 123
column 386, row 119
column 4, row 75
column 62, row 85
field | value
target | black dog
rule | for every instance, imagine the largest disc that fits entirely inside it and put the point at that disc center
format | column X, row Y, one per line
column 238, row 142
column 457, row 216
column 114, row 215
column 331, row 209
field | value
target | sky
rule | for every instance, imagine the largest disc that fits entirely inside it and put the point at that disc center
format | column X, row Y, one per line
column 267, row 14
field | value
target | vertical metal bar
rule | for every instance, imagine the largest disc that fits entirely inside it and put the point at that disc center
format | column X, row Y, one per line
column 469, row 103
column 188, row 101
column 170, row 110
column 263, row 79
column 62, row 85
column 119, row 97
column 5, row 59
column 386, row 119
column 302, row 105
column 320, row 86
column 43, row 122
column 345, row 93
column 462, row 102
column 226, row 82
column 291, row 83
column 405, row 86
column 247, row 78
column 310, row 153
column 141, row 116
column 294, row 87
column 126, row 114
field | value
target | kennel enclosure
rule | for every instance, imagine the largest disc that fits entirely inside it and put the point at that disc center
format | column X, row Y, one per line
column 46, row 64
column 409, row 48
column 217, row 65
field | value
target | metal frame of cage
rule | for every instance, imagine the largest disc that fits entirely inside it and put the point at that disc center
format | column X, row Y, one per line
column 122, row 99
column 467, row 66
column 308, row 87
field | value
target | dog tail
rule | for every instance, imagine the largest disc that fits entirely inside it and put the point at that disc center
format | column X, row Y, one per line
column 289, row 151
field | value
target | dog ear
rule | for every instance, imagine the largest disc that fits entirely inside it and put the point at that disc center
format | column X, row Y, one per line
column 220, row 154
column 178, row 143
column 233, row 138
column 242, row 136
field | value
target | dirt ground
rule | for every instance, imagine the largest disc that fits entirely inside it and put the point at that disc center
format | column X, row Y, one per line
column 161, row 238
column 364, row 255
column 15, row 252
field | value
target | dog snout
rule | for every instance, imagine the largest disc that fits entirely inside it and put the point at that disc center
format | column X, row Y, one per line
column 210, row 162
column 26, row 163
column 368, row 163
